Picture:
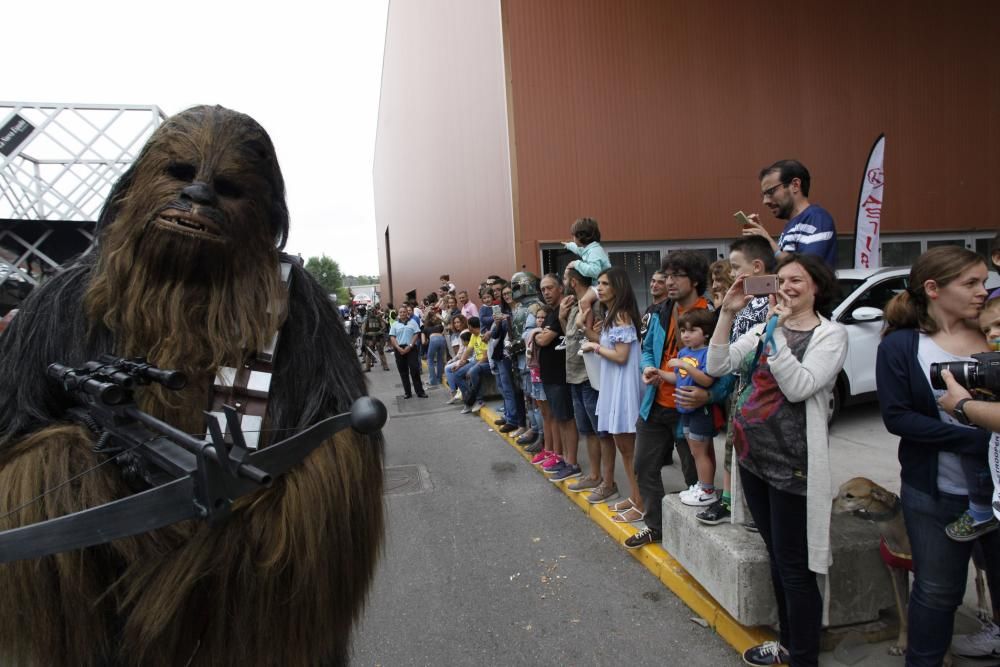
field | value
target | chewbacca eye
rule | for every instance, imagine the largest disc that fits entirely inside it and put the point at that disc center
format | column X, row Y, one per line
column 181, row 171
column 227, row 188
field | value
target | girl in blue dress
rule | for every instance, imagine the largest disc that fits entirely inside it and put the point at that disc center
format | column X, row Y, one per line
column 621, row 380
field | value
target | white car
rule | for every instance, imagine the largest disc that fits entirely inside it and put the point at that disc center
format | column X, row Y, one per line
column 864, row 294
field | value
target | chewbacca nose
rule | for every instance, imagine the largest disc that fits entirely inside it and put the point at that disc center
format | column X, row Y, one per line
column 200, row 193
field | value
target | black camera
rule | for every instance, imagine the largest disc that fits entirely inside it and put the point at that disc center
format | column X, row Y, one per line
column 981, row 376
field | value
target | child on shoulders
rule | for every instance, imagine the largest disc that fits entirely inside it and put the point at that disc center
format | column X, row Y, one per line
column 593, row 259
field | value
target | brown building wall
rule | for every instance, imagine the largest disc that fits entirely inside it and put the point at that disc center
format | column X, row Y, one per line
column 442, row 172
column 655, row 116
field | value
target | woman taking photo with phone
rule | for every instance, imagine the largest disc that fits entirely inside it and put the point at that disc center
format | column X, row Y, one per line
column 933, row 321
column 792, row 362
column 621, row 380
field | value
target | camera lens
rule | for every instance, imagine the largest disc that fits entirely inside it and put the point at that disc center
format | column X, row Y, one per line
column 964, row 372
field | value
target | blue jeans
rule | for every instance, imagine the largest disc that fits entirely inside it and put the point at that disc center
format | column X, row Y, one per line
column 533, row 417
column 940, row 571
column 436, row 353
column 513, row 410
column 459, row 374
column 585, row 409
column 468, row 377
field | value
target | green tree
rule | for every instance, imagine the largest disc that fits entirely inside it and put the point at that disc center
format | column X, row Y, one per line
column 327, row 273
column 351, row 281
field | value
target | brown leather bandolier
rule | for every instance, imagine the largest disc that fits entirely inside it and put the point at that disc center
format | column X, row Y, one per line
column 247, row 388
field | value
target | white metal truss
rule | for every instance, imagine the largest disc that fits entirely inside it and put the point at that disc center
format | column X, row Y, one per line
column 57, row 165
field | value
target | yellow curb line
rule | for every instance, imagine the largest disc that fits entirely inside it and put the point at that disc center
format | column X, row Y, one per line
column 663, row 566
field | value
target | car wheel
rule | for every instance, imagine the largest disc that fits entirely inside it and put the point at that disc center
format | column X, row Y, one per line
column 837, row 399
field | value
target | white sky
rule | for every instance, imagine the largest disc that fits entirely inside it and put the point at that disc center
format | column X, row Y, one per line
column 309, row 72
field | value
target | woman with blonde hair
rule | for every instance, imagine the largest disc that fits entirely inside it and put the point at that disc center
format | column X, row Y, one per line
column 721, row 274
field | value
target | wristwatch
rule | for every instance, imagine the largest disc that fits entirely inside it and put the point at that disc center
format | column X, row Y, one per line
column 959, row 412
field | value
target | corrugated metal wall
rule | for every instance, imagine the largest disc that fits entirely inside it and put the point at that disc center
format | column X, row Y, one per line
column 655, row 116
column 442, row 173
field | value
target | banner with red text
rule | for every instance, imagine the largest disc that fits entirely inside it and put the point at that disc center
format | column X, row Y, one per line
column 869, row 220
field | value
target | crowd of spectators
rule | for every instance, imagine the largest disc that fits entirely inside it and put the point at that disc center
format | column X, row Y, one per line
column 718, row 352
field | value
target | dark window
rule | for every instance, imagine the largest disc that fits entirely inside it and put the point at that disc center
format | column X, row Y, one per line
column 877, row 296
column 640, row 266
column 940, row 242
column 845, row 252
column 899, row 253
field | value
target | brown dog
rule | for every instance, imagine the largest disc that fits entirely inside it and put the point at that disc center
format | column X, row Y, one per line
column 867, row 500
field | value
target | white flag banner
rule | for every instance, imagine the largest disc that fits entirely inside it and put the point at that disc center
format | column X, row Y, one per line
column 867, row 254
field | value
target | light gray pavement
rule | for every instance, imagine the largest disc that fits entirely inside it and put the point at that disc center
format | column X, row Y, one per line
column 493, row 565
column 490, row 564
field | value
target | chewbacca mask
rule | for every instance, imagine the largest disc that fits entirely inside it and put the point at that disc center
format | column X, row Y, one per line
column 185, row 271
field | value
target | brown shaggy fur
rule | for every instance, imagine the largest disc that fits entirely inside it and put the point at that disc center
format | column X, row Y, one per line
column 281, row 581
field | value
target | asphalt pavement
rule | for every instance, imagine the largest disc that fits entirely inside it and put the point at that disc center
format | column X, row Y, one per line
column 487, row 563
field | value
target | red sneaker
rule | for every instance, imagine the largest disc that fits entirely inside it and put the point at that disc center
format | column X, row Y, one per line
column 541, row 456
column 554, row 462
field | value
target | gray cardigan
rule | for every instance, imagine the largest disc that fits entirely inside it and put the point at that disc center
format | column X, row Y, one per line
column 810, row 381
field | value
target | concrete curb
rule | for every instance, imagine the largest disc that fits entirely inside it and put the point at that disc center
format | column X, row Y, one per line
column 659, row 562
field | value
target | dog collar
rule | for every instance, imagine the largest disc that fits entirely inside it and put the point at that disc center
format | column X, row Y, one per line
column 879, row 516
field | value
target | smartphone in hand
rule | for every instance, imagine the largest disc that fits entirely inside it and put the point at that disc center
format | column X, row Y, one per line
column 741, row 218
column 760, row 285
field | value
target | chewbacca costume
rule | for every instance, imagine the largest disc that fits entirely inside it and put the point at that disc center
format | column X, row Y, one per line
column 186, row 273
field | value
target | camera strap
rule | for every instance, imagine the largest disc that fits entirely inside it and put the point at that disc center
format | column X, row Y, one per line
column 765, row 345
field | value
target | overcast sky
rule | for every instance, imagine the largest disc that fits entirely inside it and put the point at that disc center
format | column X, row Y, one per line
column 309, row 72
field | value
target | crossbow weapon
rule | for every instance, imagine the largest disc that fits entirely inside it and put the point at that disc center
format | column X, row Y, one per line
column 190, row 478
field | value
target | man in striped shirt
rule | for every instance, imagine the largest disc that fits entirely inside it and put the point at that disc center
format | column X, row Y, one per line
column 784, row 188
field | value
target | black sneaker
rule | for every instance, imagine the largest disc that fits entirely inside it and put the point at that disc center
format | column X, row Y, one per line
column 716, row 513
column 642, row 538
column 768, row 653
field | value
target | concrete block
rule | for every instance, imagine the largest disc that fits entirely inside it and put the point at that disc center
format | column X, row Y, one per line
column 732, row 565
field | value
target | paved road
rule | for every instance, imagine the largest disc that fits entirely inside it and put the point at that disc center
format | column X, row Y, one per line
column 487, row 563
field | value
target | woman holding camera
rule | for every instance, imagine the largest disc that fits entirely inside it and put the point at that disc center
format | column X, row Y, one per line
column 934, row 322
column 792, row 362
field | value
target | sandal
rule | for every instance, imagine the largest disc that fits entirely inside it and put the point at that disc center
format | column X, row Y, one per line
column 621, row 505
column 631, row 515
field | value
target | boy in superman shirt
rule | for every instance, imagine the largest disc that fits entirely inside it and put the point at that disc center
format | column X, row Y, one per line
column 685, row 370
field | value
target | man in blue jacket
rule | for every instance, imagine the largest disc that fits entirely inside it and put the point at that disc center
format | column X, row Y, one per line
column 686, row 275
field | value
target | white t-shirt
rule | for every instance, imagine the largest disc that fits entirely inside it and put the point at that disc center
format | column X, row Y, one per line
column 950, row 478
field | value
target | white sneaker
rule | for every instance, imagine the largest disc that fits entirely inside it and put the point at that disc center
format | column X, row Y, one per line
column 478, row 406
column 985, row 643
column 455, row 398
column 687, row 492
column 700, row 498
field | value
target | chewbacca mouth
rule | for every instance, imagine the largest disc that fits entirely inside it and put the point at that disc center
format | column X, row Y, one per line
column 185, row 222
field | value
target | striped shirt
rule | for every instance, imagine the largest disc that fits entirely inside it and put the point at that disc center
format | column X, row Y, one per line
column 811, row 232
